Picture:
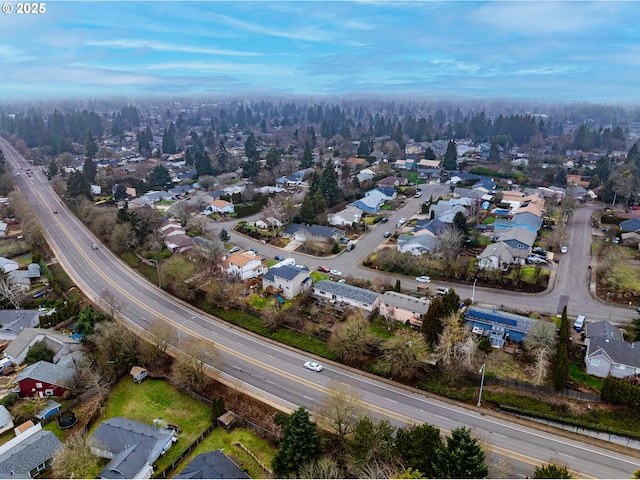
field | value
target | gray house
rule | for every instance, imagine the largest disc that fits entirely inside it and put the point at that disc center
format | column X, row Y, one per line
column 342, row 293
column 212, row 465
column 520, row 238
column 14, row 321
column 288, row 280
column 28, row 454
column 300, row 232
column 500, row 256
column 60, row 344
column 132, row 447
column 608, row 354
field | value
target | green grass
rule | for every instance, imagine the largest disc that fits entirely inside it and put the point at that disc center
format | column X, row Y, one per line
column 317, row 276
column 489, row 221
column 578, row 375
column 221, row 439
column 130, row 259
column 153, row 399
column 259, row 303
column 379, row 328
column 61, row 276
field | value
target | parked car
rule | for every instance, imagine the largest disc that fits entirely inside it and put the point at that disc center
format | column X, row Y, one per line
column 351, row 246
column 344, row 240
column 234, row 249
column 278, row 257
column 315, row 366
column 324, row 269
column 418, row 194
column 387, row 234
column 539, row 251
column 423, row 279
column 564, row 249
column 535, row 259
column 442, row 290
column 384, row 220
column 335, row 272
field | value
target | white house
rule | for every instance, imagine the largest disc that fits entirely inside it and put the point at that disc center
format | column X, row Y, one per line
column 343, row 293
column 287, row 280
column 222, row 206
column 348, row 216
column 245, row 265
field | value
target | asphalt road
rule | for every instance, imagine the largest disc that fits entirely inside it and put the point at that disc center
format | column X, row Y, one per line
column 274, row 373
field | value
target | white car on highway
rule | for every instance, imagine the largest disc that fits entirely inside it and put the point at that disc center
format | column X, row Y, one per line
column 423, row 279
column 315, row 366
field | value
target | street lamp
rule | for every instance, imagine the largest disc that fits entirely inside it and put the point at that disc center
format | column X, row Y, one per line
column 180, row 330
column 157, row 270
column 608, row 295
column 482, row 369
column 473, row 291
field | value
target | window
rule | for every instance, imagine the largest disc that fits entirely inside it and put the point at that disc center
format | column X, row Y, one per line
column 48, row 391
column 38, row 385
column 619, row 367
column 595, row 362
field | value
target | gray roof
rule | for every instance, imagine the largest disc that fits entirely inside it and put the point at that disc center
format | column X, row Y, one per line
column 519, row 234
column 5, row 416
column 349, row 291
column 501, row 250
column 315, row 230
column 14, row 321
column 24, row 339
column 632, row 225
column 604, row 329
column 517, row 323
column 134, row 444
column 426, row 242
column 406, row 302
column 619, row 352
column 28, row 454
column 44, row 371
column 288, row 272
column 212, row 465
column 435, row 226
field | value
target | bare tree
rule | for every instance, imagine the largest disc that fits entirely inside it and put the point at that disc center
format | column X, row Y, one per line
column 10, row 291
column 340, row 410
column 323, row 467
column 273, row 210
column 207, row 181
column 451, row 342
column 351, row 340
column 111, row 303
column 191, row 366
column 116, row 345
column 451, row 241
column 123, row 237
column 540, row 367
column 542, row 334
column 162, row 336
column 404, row 354
column 74, row 459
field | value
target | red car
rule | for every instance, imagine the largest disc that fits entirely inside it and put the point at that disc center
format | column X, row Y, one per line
column 324, row 269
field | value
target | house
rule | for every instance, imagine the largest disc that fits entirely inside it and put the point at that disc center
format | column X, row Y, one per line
column 245, row 265
column 29, row 453
column 434, row 227
column 525, row 219
column 343, row 293
column 519, row 238
column 371, row 203
column 387, row 193
column 631, row 225
column 418, row 244
column 212, row 465
column 14, row 321
column 7, row 265
column 300, row 232
column 500, row 256
column 176, row 238
column 446, row 211
column 629, row 239
column 60, row 344
column 404, row 308
column 497, row 325
column 392, row 181
column 348, row 216
column 270, row 222
column 4, row 228
column 608, row 354
column 44, row 379
column 131, row 447
column 287, row 280
column 23, row 278
column 222, row 206
column 365, row 174
column 356, row 163
column 6, row 420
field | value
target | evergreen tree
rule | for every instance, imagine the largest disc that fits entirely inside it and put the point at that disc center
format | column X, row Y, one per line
column 371, row 442
column 450, row 156
column 551, row 470
column 307, row 156
column 273, row 157
column 494, row 153
column 251, row 168
column 300, row 444
column 397, row 287
column 561, row 366
column 451, row 302
column 159, row 177
column 417, row 445
column 202, row 164
column 429, row 154
column 222, row 155
column 168, row 142
column 432, row 321
column 90, row 146
column 461, row 456
column 460, row 223
column 224, row 235
column 329, row 184
column 251, row 148
column 120, row 192
column 307, row 210
column 319, row 204
column 53, row 168
column 78, row 186
column 89, row 170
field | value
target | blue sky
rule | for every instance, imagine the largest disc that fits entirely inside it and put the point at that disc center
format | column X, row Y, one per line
column 557, row 51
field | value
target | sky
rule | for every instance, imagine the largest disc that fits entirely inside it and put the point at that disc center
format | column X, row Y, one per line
column 567, row 51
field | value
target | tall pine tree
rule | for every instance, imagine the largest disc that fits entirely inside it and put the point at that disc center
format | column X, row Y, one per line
column 300, row 444
column 450, row 156
column 461, row 456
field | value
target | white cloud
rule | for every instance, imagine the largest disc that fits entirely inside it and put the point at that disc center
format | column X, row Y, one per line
column 165, row 47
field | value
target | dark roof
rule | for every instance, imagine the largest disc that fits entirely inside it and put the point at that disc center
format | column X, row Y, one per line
column 631, row 225
column 28, row 454
column 387, row 191
column 435, row 226
column 604, row 329
column 212, row 465
column 315, row 230
column 517, row 323
column 133, row 444
column 288, row 272
column 620, row 352
column 349, row 291
column 44, row 371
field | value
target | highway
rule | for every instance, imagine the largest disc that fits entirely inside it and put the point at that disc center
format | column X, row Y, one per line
column 275, row 374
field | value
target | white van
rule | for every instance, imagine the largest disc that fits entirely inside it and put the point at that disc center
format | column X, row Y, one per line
column 579, row 323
